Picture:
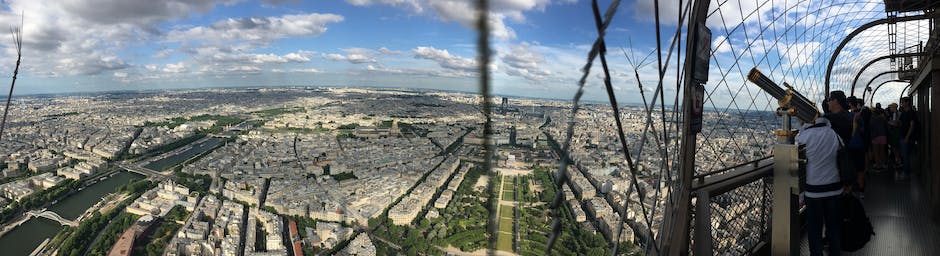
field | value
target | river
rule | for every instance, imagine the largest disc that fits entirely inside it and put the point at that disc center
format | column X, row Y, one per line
column 27, row 236
column 196, row 149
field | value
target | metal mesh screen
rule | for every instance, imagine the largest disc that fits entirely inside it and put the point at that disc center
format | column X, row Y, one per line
column 738, row 226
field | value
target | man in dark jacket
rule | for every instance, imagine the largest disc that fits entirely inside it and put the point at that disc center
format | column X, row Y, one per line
column 908, row 125
column 838, row 115
column 841, row 122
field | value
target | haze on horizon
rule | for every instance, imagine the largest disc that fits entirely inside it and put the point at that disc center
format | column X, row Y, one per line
column 117, row 45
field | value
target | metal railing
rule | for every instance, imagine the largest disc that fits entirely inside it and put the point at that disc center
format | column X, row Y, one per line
column 731, row 210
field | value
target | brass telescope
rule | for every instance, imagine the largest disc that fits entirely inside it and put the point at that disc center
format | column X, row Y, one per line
column 790, row 101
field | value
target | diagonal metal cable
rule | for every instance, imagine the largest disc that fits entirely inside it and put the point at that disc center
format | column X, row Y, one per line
column 659, row 92
column 623, row 140
column 562, row 176
column 17, row 33
column 483, row 57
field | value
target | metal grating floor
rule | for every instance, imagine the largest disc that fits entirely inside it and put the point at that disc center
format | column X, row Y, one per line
column 899, row 215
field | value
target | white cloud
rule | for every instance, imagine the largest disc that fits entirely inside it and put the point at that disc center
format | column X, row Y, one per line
column 228, row 57
column 178, row 67
column 296, row 70
column 413, row 5
column 140, row 12
column 272, row 58
column 720, row 45
column 419, row 72
column 461, row 11
column 162, row 54
column 260, row 30
column 85, row 37
column 645, row 10
column 92, row 64
column 522, row 61
column 244, row 69
column 445, row 59
column 384, row 50
column 357, row 55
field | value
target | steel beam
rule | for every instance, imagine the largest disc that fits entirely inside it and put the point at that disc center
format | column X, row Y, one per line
column 675, row 229
column 876, row 77
column 889, row 56
column 703, row 224
column 871, row 100
column 835, row 54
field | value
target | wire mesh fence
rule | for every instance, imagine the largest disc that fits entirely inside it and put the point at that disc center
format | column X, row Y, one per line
column 790, row 42
column 737, row 227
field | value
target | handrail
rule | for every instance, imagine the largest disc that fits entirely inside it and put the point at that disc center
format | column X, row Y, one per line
column 722, row 183
column 752, row 162
column 712, row 186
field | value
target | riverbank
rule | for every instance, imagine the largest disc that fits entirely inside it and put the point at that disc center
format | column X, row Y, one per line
column 28, row 234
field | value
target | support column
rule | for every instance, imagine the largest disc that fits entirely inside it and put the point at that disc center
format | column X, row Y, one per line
column 785, row 228
column 932, row 135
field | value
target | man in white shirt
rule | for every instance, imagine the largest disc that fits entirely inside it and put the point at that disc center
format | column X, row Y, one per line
column 823, row 185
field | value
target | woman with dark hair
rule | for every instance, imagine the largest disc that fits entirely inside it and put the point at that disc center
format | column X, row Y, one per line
column 879, row 137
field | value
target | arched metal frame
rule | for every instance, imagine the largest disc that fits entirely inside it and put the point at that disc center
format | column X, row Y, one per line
column 889, row 56
column 865, row 89
column 908, row 87
column 859, row 30
column 871, row 100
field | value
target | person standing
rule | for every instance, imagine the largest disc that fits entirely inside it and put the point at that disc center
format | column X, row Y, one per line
column 908, row 125
column 879, row 137
column 894, row 135
column 824, row 188
column 838, row 114
column 857, row 144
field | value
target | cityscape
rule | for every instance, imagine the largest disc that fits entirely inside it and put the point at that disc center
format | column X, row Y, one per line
column 443, row 127
column 325, row 170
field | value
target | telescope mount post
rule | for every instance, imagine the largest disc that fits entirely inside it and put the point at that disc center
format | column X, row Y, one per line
column 785, row 227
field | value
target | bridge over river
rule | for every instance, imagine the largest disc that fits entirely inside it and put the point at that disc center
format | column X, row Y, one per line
column 53, row 216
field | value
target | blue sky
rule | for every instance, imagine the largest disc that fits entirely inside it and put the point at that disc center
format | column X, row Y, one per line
column 102, row 45
column 539, row 45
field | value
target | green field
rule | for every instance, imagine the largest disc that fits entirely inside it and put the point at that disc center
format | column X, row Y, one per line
column 505, row 225
column 504, row 239
column 507, row 195
column 506, row 212
column 504, row 242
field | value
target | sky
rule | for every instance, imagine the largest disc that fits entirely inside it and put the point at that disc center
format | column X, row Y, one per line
column 104, row 45
column 539, row 46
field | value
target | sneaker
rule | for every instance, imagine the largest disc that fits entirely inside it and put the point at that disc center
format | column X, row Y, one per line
column 861, row 195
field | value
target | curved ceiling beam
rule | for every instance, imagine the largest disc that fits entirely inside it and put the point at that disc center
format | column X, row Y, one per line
column 871, row 100
column 905, row 90
column 876, row 77
column 832, row 60
column 860, row 71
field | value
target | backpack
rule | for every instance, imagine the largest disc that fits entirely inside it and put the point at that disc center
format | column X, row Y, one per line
column 856, row 228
